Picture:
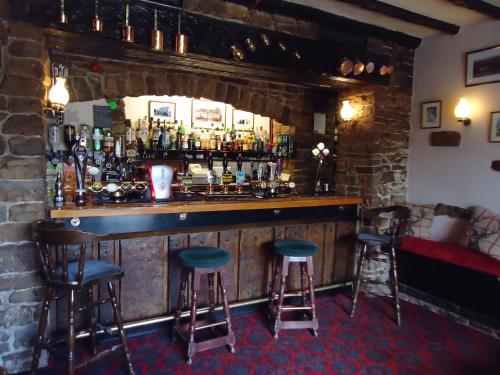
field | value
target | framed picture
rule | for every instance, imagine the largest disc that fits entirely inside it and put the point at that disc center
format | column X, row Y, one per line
column 495, row 127
column 483, row 66
column 431, row 115
column 208, row 114
column 163, row 111
column 242, row 121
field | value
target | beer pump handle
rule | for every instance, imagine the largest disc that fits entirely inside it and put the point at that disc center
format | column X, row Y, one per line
column 210, row 162
column 81, row 155
column 224, row 163
column 186, row 165
column 239, row 162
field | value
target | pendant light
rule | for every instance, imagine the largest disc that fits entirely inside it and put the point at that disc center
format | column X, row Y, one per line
column 181, row 40
column 156, row 36
column 62, row 15
column 97, row 24
column 128, row 32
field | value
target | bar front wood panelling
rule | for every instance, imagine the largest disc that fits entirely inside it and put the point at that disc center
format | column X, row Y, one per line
column 152, row 268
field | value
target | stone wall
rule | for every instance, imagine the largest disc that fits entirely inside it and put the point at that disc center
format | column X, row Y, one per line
column 22, row 187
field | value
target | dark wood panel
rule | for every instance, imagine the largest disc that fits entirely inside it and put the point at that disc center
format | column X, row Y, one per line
column 329, row 256
column 255, row 258
column 109, row 252
column 344, row 251
column 230, row 241
column 142, row 287
column 175, row 244
column 316, row 233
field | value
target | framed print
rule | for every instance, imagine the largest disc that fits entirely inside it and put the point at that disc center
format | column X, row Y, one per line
column 163, row 111
column 242, row 120
column 208, row 114
column 483, row 66
column 495, row 127
column 431, row 115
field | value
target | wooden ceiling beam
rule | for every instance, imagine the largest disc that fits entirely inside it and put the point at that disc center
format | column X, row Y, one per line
column 479, row 6
column 404, row 15
column 330, row 20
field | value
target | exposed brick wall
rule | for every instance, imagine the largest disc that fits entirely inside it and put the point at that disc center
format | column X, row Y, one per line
column 22, row 187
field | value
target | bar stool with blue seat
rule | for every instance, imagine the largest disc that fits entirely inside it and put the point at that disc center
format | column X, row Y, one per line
column 198, row 261
column 380, row 247
column 62, row 272
column 286, row 252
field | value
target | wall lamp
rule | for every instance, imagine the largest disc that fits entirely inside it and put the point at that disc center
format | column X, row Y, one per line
column 58, row 94
column 346, row 112
column 463, row 111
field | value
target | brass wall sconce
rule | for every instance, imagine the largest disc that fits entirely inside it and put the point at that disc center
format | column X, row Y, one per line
column 58, row 93
column 463, row 111
column 347, row 111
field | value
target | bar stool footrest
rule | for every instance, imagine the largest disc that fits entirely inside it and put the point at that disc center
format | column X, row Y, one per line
column 297, row 324
column 201, row 346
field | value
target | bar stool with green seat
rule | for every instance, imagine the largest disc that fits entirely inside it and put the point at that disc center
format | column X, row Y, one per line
column 199, row 261
column 293, row 251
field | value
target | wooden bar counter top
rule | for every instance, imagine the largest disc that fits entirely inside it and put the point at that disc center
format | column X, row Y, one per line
column 91, row 210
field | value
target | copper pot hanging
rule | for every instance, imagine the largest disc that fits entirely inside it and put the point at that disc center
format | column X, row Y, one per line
column 345, row 66
column 369, row 67
column 359, row 68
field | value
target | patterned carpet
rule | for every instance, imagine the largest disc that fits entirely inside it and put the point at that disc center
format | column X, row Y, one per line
column 370, row 343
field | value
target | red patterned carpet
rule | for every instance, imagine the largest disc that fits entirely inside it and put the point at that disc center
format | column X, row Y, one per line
column 370, row 343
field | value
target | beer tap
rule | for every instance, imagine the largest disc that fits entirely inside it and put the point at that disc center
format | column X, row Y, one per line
column 81, row 155
column 240, row 175
column 227, row 177
column 187, row 178
column 211, row 177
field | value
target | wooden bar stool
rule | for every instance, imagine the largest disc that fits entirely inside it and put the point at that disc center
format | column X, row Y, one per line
column 293, row 251
column 197, row 261
column 382, row 248
column 60, row 273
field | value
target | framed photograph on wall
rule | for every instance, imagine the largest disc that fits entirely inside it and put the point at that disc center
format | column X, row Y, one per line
column 495, row 127
column 431, row 115
column 163, row 111
column 483, row 66
column 208, row 114
column 242, row 120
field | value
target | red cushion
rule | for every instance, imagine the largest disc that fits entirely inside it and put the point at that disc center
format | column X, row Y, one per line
column 454, row 254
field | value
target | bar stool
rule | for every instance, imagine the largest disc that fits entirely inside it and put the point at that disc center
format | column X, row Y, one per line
column 60, row 273
column 293, row 251
column 382, row 249
column 199, row 261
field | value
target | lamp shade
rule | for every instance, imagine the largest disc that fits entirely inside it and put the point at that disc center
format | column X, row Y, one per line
column 58, row 94
column 463, row 109
column 346, row 112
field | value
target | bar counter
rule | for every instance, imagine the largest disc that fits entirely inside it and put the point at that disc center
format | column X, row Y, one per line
column 145, row 239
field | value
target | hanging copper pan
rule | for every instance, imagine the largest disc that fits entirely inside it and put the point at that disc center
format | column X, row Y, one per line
column 359, row 68
column 345, row 66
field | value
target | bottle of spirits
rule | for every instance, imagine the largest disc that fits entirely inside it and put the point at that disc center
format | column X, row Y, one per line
column 108, row 142
column 59, row 192
column 197, row 142
column 213, row 142
column 218, row 142
column 119, row 149
column 190, row 142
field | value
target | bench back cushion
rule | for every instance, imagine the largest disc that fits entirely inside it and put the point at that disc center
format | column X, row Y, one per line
column 420, row 220
column 450, row 224
column 484, row 232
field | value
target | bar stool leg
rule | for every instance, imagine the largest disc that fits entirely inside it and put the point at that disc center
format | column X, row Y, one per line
column 192, row 322
column 284, row 274
column 394, row 274
column 303, row 289
column 357, row 280
column 49, row 293
column 181, row 298
column 310, row 273
column 211, row 297
column 119, row 323
column 71, row 332
column 227, row 317
column 92, row 318
column 275, row 282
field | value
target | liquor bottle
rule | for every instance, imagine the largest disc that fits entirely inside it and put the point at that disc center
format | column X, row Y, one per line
column 239, row 143
column 119, row 150
column 108, row 142
column 197, row 142
column 173, row 138
column 58, row 192
column 178, row 140
column 218, row 142
column 155, row 137
column 185, row 145
column 190, row 142
column 164, row 140
column 142, row 132
column 213, row 142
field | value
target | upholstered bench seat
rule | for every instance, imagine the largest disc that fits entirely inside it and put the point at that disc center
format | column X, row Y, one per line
column 454, row 254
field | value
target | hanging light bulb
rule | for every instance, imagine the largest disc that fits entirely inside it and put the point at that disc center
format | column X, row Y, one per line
column 58, row 94
column 463, row 111
column 97, row 24
column 128, row 32
column 156, row 36
column 346, row 112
